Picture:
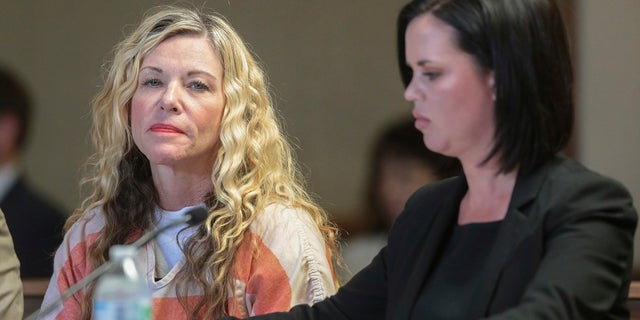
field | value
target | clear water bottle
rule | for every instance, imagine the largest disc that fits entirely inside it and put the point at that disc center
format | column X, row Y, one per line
column 123, row 292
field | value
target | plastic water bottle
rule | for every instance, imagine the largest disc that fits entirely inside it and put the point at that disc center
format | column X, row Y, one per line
column 123, row 292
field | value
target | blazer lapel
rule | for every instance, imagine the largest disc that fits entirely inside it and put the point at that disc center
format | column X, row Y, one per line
column 436, row 235
column 517, row 226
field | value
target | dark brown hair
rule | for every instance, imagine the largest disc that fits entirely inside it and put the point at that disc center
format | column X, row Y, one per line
column 524, row 42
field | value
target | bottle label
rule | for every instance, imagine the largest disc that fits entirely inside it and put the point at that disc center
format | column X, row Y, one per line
column 122, row 310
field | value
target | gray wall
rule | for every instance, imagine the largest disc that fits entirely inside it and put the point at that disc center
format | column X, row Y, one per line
column 609, row 92
column 332, row 67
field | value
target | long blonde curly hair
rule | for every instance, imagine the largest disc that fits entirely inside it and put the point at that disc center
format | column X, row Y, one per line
column 254, row 165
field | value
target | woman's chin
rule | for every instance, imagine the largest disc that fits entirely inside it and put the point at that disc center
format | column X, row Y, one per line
column 164, row 159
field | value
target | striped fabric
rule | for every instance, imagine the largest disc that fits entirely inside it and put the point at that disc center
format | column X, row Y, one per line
column 281, row 262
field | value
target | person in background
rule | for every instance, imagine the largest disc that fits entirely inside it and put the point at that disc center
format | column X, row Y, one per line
column 184, row 120
column 525, row 232
column 11, row 300
column 35, row 222
column 400, row 165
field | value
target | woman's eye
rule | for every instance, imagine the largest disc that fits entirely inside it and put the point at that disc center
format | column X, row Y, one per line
column 431, row 75
column 199, row 85
column 151, row 83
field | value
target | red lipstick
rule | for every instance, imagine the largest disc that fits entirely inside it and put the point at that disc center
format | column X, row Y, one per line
column 164, row 128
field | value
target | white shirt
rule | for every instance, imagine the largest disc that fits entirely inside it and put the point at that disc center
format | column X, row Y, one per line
column 172, row 239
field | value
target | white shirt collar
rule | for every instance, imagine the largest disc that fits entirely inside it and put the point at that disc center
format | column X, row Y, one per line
column 8, row 175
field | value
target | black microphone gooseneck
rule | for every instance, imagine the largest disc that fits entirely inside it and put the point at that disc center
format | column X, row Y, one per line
column 192, row 217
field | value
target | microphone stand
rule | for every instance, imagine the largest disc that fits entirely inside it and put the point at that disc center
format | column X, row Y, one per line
column 192, row 217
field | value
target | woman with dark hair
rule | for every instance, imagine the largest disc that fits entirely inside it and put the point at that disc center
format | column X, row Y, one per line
column 525, row 233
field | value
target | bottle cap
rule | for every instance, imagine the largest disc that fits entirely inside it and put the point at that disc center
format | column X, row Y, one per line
column 118, row 252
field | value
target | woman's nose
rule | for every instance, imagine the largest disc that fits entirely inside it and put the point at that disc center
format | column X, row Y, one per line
column 410, row 92
column 171, row 98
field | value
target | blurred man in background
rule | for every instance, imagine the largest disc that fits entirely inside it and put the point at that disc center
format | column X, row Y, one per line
column 34, row 222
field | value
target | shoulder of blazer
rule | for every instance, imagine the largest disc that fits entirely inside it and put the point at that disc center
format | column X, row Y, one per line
column 564, row 190
column 22, row 195
column 570, row 191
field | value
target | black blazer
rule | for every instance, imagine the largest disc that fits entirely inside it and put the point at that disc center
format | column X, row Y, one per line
column 36, row 228
column 563, row 251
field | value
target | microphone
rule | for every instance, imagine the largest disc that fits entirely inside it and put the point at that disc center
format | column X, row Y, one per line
column 192, row 217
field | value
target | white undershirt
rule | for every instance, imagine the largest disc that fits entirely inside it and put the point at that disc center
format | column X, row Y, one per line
column 167, row 242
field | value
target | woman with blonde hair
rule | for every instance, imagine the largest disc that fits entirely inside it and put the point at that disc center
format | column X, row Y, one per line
column 184, row 120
